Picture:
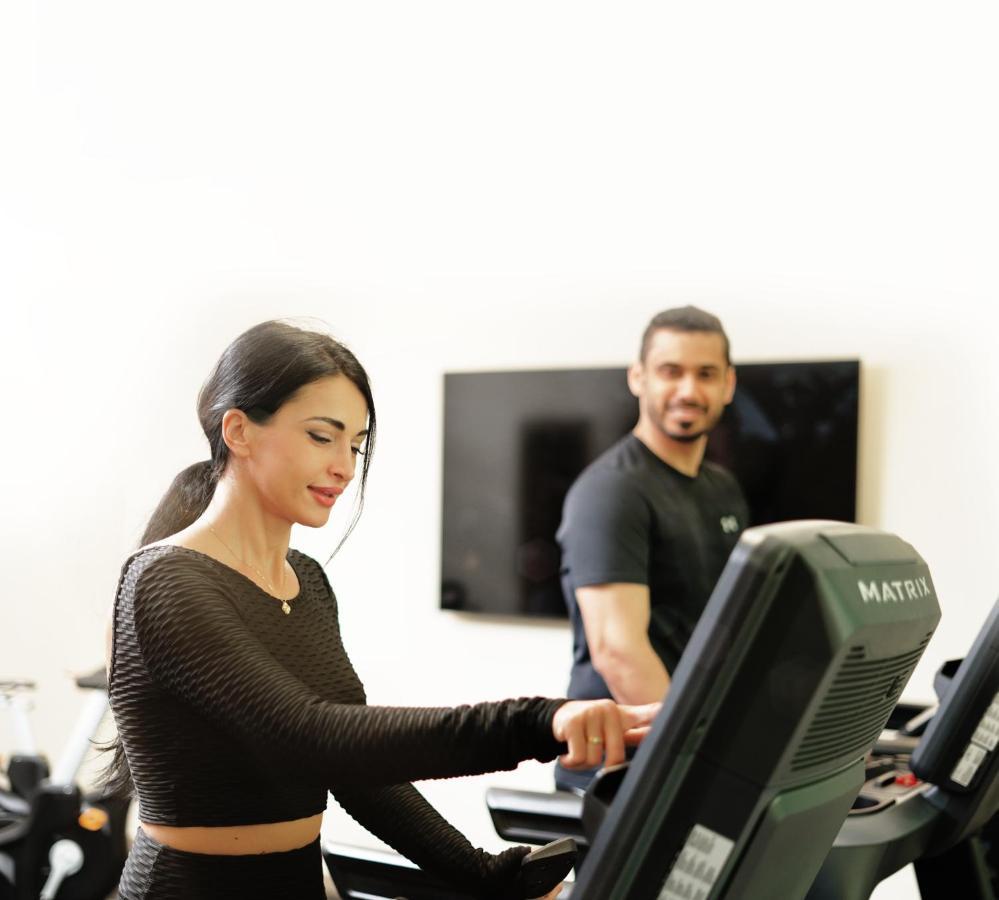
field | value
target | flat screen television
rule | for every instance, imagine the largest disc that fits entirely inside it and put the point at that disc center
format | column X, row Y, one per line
column 515, row 441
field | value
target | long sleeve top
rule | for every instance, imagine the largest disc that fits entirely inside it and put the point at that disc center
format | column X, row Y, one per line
column 233, row 713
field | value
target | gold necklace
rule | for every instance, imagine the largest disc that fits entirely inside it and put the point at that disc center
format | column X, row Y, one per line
column 285, row 605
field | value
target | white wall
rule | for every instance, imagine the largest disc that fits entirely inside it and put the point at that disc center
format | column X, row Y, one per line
column 455, row 186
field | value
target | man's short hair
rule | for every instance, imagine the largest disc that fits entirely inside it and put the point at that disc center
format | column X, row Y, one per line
column 684, row 318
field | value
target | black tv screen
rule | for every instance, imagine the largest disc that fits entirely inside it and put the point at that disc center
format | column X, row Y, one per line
column 514, row 442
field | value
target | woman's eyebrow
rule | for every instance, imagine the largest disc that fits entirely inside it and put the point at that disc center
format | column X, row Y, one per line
column 336, row 423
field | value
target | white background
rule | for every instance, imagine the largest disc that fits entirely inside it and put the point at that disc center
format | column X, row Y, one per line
column 455, row 185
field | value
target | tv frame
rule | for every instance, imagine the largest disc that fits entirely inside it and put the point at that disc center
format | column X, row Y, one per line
column 524, row 580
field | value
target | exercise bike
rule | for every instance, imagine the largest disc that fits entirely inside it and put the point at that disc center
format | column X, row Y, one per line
column 57, row 843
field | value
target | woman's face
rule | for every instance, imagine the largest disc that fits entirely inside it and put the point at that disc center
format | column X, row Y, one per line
column 304, row 456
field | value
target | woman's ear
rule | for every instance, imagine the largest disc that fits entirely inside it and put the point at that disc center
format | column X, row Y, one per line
column 235, row 432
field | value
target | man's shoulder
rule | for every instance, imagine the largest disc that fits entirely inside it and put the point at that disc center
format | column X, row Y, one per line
column 619, row 467
column 626, row 457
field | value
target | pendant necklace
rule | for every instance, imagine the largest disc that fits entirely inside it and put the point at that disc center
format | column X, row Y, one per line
column 285, row 605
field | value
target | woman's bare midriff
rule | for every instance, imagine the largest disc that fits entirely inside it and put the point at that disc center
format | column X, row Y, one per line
column 237, row 840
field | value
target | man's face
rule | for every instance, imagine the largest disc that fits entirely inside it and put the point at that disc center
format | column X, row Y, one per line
column 684, row 384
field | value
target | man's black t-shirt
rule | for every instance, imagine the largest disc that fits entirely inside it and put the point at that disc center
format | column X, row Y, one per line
column 632, row 518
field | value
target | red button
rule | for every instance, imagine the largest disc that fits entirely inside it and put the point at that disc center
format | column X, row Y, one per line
column 907, row 780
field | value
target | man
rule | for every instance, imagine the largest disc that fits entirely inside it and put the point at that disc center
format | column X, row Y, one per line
column 648, row 526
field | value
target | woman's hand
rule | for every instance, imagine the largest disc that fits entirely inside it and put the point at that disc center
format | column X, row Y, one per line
column 599, row 730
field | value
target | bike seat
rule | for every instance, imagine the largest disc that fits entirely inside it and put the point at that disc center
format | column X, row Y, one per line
column 95, row 681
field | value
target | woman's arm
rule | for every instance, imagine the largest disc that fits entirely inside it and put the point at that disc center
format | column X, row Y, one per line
column 195, row 644
column 399, row 815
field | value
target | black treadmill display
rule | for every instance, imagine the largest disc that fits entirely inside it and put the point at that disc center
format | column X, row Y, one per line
column 802, row 652
column 961, row 739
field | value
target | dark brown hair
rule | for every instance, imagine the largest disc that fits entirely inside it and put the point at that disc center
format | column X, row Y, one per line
column 683, row 318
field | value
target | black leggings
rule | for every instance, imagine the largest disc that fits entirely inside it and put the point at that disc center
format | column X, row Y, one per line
column 156, row 872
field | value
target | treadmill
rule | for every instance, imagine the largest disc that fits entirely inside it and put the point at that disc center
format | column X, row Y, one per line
column 758, row 752
column 937, row 810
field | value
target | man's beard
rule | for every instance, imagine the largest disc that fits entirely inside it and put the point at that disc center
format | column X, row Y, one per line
column 690, row 437
column 685, row 437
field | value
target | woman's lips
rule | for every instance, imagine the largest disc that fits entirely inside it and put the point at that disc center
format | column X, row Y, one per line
column 325, row 496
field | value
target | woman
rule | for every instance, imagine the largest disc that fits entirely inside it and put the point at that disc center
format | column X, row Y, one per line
column 237, row 707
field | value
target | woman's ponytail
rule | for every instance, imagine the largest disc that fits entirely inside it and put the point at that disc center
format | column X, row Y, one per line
column 185, row 500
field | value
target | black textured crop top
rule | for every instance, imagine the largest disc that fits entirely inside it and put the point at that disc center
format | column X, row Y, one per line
column 233, row 713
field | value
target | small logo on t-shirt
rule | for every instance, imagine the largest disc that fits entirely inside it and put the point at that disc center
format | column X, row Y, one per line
column 729, row 524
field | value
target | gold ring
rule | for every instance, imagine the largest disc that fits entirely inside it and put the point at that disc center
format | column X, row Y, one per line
column 593, row 739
